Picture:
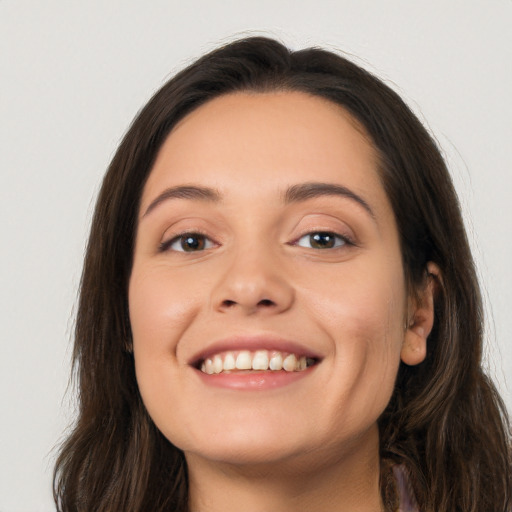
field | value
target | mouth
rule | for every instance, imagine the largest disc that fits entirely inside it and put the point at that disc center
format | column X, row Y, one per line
column 249, row 361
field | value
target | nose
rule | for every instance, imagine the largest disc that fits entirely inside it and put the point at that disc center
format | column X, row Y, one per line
column 253, row 284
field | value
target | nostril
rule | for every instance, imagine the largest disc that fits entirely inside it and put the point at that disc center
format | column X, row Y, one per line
column 263, row 303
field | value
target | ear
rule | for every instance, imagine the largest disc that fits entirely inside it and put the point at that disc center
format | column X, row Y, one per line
column 420, row 318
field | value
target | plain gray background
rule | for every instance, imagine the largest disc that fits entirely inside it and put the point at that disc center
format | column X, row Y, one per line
column 73, row 75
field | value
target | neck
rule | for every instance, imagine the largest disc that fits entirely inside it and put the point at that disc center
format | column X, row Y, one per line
column 320, row 481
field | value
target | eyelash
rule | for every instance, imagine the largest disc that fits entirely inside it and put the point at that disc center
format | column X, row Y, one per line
column 167, row 245
column 339, row 241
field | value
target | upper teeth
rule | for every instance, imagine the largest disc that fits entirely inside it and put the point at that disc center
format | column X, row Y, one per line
column 258, row 360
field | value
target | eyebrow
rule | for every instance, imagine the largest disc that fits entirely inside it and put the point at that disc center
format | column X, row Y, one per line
column 184, row 192
column 305, row 191
column 294, row 194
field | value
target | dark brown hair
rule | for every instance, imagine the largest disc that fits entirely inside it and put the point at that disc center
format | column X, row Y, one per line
column 445, row 421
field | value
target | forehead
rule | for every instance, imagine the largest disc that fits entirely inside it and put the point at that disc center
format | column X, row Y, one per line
column 264, row 142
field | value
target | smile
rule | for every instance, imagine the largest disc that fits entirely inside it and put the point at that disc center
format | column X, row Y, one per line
column 258, row 360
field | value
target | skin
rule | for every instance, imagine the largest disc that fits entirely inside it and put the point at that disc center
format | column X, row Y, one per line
column 313, row 444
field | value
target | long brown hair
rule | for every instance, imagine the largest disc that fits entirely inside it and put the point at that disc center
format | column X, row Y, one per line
column 445, row 422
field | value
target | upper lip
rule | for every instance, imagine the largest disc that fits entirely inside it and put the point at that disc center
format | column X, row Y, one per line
column 252, row 343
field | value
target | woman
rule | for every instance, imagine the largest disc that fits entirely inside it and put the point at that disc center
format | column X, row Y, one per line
column 279, row 308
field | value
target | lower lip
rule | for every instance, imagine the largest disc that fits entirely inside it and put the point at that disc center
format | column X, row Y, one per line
column 255, row 380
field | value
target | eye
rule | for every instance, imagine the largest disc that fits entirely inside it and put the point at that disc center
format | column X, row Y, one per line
column 188, row 242
column 322, row 240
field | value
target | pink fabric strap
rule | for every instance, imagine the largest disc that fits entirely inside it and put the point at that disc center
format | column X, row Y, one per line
column 405, row 492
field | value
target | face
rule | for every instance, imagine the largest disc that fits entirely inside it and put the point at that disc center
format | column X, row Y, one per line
column 267, row 296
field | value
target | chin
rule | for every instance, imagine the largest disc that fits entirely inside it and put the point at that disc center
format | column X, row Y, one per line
column 245, row 443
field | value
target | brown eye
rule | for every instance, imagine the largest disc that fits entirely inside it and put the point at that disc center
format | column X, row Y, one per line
column 322, row 240
column 188, row 242
column 191, row 243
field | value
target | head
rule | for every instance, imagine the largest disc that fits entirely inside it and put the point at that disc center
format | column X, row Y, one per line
column 432, row 246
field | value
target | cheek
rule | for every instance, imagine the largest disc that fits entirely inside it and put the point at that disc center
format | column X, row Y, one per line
column 367, row 300
column 161, row 310
column 160, row 307
column 362, row 313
